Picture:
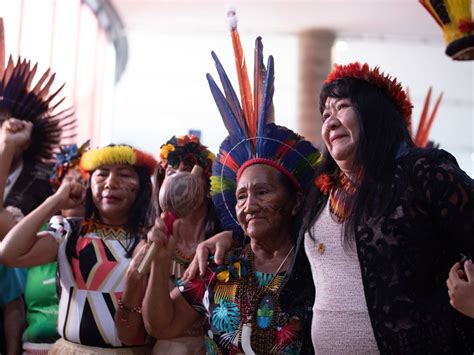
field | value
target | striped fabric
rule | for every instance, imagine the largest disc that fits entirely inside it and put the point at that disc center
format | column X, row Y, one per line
column 91, row 283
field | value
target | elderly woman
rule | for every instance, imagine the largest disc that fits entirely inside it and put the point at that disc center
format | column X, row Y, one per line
column 92, row 252
column 259, row 301
column 384, row 223
column 178, row 154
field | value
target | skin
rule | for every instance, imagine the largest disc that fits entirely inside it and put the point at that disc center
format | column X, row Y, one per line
column 341, row 131
column 188, row 232
column 264, row 207
column 461, row 288
column 114, row 191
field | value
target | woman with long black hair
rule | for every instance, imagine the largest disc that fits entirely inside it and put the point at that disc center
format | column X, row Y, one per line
column 94, row 252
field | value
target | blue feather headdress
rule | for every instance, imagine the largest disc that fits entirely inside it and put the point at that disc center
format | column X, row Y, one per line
column 253, row 138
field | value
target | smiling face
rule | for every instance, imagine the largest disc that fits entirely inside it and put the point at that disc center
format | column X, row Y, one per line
column 341, row 131
column 114, row 191
column 264, row 207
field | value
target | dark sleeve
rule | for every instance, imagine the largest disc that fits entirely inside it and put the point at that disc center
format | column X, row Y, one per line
column 449, row 195
column 193, row 291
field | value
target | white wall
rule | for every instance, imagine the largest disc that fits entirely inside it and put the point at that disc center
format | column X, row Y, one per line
column 164, row 90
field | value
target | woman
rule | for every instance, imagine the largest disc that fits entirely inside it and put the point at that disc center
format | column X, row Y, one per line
column 92, row 252
column 177, row 155
column 41, row 295
column 384, row 224
column 259, row 301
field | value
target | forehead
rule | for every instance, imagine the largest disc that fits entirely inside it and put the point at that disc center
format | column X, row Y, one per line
column 116, row 168
column 259, row 174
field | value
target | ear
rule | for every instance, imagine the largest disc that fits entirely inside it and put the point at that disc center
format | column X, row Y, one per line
column 298, row 204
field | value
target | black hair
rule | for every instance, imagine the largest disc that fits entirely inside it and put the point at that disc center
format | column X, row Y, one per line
column 138, row 217
column 383, row 131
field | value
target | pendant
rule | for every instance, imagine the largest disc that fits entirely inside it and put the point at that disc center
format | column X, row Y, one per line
column 321, row 248
column 265, row 311
column 246, row 339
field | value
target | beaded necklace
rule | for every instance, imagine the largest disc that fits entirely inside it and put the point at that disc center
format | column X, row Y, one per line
column 338, row 197
column 259, row 308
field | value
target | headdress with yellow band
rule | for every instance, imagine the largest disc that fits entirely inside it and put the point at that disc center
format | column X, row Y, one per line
column 117, row 155
column 253, row 136
column 455, row 19
column 187, row 150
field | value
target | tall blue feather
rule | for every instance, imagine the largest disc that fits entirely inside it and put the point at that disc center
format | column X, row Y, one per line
column 230, row 121
column 230, row 94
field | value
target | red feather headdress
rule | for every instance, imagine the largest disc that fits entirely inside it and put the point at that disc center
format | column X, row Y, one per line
column 373, row 75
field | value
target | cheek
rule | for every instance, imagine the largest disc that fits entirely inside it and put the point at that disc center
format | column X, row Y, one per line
column 131, row 186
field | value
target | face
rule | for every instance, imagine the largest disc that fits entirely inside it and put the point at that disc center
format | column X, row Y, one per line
column 263, row 208
column 114, row 191
column 340, row 130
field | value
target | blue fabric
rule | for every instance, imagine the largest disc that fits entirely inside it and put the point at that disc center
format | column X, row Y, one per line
column 12, row 283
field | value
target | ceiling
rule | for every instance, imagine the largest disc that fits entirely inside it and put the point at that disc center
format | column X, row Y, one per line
column 405, row 18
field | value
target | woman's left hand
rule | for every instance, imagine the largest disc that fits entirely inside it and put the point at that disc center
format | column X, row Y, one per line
column 163, row 240
column 461, row 288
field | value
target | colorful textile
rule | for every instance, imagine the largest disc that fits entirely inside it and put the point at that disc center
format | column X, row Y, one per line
column 216, row 296
column 91, row 283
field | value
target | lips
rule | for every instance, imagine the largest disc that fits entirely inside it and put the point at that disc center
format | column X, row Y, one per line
column 111, row 198
column 337, row 136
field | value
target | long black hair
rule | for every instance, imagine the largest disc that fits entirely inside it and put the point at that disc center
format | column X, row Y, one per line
column 137, row 220
column 383, row 132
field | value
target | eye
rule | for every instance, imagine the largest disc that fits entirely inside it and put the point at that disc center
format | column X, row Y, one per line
column 262, row 192
column 342, row 105
column 325, row 116
column 241, row 196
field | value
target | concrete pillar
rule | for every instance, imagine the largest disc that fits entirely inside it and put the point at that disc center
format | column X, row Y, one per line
column 314, row 65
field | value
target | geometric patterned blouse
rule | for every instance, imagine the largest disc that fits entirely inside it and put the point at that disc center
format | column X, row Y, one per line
column 91, row 286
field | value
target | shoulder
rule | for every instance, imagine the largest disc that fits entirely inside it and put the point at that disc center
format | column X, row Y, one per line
column 419, row 158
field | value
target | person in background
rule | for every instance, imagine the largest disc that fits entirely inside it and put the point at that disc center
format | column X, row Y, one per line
column 41, row 294
column 178, row 154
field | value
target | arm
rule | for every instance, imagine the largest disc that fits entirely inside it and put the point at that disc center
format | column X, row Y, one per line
column 14, row 323
column 14, row 134
column 128, row 319
column 165, row 314
column 21, row 248
column 218, row 245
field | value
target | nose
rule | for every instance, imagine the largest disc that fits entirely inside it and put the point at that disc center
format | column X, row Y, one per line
column 111, row 181
column 332, row 121
column 251, row 204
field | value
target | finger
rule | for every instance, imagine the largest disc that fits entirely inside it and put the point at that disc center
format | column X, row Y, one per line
column 453, row 272
column 159, row 223
column 469, row 270
column 219, row 254
column 202, row 260
column 191, row 271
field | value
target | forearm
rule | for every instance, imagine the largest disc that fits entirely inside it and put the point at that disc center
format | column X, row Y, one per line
column 158, row 307
column 6, row 159
column 14, row 322
column 128, row 318
column 21, row 238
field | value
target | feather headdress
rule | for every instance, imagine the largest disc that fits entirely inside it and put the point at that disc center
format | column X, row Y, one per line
column 455, row 19
column 69, row 157
column 20, row 99
column 117, row 155
column 253, row 136
column 426, row 121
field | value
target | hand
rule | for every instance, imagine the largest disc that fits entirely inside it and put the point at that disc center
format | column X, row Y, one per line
column 461, row 288
column 165, row 242
column 17, row 133
column 70, row 194
column 218, row 245
column 133, row 276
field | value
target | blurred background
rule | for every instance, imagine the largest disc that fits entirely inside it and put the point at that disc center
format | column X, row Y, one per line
column 135, row 69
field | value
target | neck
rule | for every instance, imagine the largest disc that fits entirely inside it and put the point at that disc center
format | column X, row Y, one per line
column 117, row 221
column 271, row 248
column 192, row 226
